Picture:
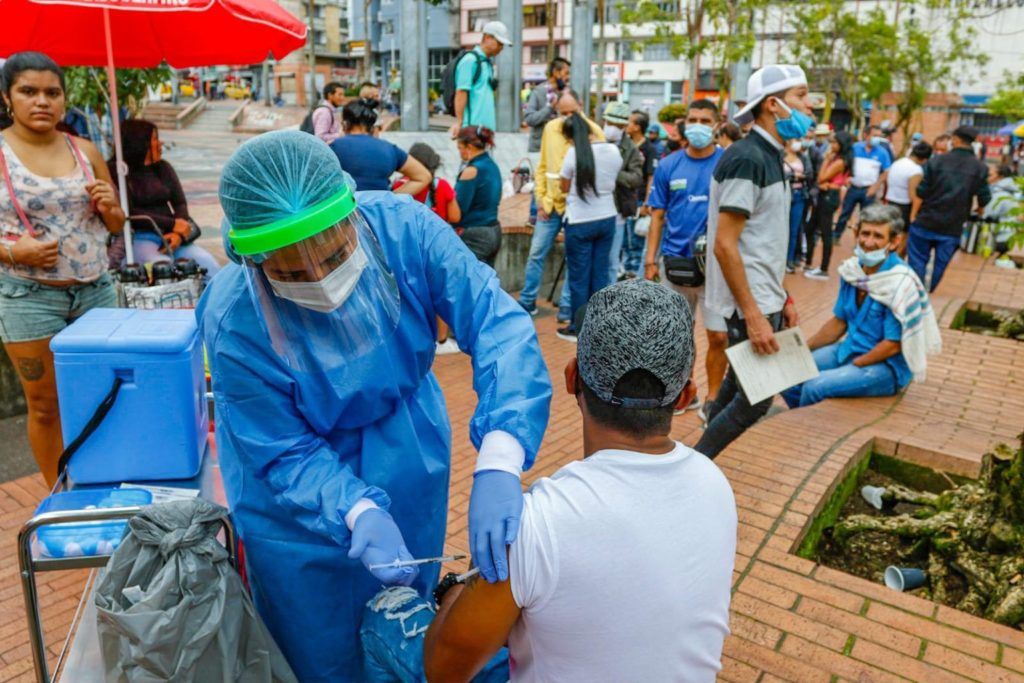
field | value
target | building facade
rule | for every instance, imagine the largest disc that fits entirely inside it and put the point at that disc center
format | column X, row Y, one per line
column 381, row 20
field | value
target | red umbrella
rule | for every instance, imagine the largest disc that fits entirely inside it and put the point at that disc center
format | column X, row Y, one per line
column 145, row 33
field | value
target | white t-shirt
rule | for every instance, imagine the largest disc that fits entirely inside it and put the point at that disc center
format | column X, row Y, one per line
column 607, row 163
column 900, row 174
column 622, row 569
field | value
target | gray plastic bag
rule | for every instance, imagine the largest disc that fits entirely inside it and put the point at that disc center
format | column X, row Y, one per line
column 171, row 607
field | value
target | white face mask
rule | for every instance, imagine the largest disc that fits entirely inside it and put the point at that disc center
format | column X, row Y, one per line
column 612, row 134
column 328, row 294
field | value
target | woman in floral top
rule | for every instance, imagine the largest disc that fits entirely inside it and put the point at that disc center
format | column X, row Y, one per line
column 57, row 207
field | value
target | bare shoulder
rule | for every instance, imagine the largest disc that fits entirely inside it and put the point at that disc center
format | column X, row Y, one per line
column 468, row 173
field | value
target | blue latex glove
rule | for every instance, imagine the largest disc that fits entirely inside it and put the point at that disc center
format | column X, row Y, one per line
column 376, row 539
column 495, row 507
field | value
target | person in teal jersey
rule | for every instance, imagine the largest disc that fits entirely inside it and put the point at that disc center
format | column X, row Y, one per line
column 475, row 82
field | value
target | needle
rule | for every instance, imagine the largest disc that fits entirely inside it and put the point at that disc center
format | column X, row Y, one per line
column 398, row 564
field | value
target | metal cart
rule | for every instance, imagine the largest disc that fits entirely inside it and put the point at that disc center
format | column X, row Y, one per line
column 80, row 650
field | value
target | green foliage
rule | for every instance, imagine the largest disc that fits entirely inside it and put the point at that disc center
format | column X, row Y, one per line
column 864, row 55
column 844, row 51
column 720, row 29
column 88, row 86
column 922, row 64
column 670, row 112
column 1008, row 101
column 1017, row 215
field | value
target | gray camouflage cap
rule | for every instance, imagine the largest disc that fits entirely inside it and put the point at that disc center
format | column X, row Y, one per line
column 636, row 325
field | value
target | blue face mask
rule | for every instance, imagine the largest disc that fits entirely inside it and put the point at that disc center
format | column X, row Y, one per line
column 870, row 259
column 698, row 135
column 796, row 126
column 877, row 141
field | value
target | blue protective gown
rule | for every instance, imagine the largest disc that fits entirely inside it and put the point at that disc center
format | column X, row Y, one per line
column 297, row 451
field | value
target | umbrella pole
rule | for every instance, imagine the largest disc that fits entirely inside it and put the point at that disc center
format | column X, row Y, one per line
column 115, row 118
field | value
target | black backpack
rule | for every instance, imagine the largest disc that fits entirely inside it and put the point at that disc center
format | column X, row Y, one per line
column 307, row 123
column 448, row 79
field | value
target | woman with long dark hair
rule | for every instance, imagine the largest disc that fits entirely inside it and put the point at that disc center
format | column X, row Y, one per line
column 478, row 192
column 833, row 176
column 588, row 179
column 163, row 228
column 56, row 211
column 371, row 161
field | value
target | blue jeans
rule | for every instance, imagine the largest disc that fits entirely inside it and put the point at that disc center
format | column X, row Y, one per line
column 854, row 196
column 587, row 248
column 729, row 413
column 394, row 625
column 841, row 381
column 919, row 249
column 615, row 256
column 544, row 234
column 633, row 248
column 796, row 221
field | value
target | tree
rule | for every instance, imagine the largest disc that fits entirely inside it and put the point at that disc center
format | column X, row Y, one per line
column 862, row 55
column 922, row 64
column 87, row 86
column 723, row 29
column 844, row 51
column 1008, row 101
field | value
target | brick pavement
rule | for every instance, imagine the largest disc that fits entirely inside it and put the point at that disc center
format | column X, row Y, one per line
column 791, row 619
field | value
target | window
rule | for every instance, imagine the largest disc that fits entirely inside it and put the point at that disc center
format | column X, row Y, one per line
column 625, row 51
column 538, row 54
column 479, row 17
column 654, row 52
column 534, row 16
column 708, row 79
column 437, row 60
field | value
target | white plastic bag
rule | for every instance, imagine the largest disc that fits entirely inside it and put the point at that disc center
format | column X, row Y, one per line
column 642, row 226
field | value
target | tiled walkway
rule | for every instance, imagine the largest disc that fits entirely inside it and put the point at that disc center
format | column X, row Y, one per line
column 792, row 620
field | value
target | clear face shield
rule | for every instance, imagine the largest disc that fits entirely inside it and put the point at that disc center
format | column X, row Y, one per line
column 321, row 286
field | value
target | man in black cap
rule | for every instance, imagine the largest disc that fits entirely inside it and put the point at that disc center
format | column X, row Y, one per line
column 950, row 184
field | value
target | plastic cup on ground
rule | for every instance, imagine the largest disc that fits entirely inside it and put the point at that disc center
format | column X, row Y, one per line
column 873, row 496
column 904, row 579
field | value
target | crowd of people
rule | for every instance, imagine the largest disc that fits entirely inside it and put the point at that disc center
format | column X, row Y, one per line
column 332, row 432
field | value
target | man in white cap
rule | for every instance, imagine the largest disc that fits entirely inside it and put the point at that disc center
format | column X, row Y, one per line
column 748, row 234
column 475, row 82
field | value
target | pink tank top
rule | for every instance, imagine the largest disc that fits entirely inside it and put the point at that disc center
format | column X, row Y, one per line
column 56, row 209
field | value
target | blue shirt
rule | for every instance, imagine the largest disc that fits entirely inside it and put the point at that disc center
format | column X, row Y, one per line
column 479, row 109
column 869, row 165
column 479, row 198
column 681, row 188
column 369, row 160
column 869, row 324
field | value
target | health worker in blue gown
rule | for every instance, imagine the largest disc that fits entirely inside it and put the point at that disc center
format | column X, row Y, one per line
column 332, row 431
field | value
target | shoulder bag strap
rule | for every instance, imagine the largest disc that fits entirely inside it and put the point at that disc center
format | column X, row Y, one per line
column 86, row 166
column 10, row 190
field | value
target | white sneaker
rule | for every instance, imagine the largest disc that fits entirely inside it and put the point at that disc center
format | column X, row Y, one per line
column 815, row 274
column 447, row 347
column 695, row 403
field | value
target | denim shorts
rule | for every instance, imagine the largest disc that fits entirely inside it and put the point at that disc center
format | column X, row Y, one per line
column 30, row 310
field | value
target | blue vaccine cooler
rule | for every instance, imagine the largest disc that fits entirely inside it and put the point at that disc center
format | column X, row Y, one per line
column 157, row 426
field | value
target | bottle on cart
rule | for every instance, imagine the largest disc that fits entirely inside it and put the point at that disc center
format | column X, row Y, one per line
column 163, row 273
column 185, row 268
column 133, row 273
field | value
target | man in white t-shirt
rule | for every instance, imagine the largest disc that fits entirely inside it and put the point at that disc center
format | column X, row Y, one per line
column 904, row 177
column 623, row 564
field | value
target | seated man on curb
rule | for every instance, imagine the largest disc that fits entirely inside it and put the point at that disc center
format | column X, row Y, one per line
column 884, row 312
column 623, row 564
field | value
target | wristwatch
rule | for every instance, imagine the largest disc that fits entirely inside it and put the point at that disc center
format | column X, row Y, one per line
column 447, row 583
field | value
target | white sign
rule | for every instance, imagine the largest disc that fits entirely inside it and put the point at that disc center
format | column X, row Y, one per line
column 763, row 376
column 612, row 77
